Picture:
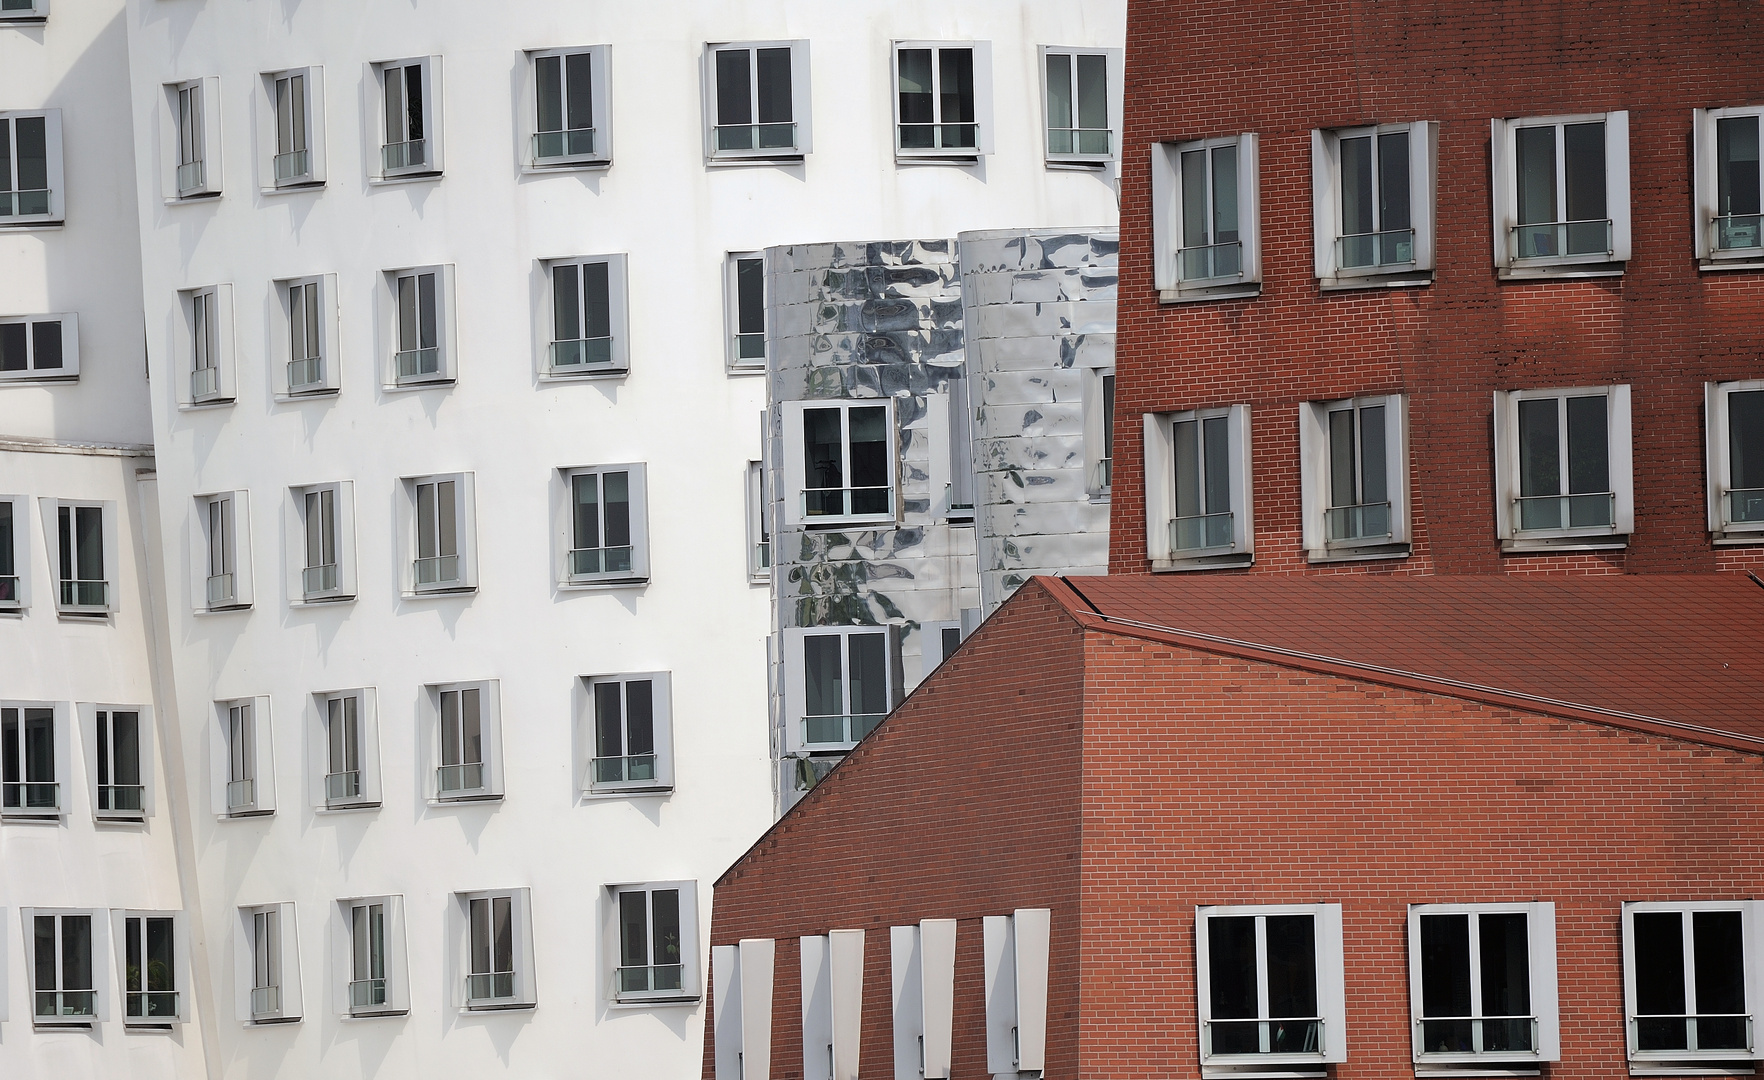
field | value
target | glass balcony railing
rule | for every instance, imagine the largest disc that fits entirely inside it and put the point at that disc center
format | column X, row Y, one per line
column 1591, row 510
column 266, row 1001
column 658, row 978
column 416, row 363
column 292, row 165
column 121, row 798
column 1201, row 532
column 305, row 373
column 1298, row 1035
column 60, row 1004
column 30, row 202
column 84, row 594
column 1478, row 1034
column 8, row 589
column 1394, row 247
column 1738, row 232
column 220, row 589
column 939, row 137
column 1708, row 1033
column 750, row 347
column 571, row 142
column 1560, row 239
column 204, row 383
column 490, row 986
column 847, row 502
column 1744, row 506
column 588, row 562
column 734, row 137
column 343, row 785
column 623, row 770
column 367, row 993
column 1210, row 262
column 28, row 797
column 1363, row 521
column 839, row 730
column 404, row 155
column 1079, row 140
column 440, row 570
column 453, row 779
column 241, row 794
column 578, row 353
column 317, row 580
column 191, row 175
column 152, row 1004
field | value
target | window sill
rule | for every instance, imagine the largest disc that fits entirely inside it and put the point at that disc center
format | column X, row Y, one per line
column 24, row 20
column 655, row 1002
column 745, row 369
column 603, row 794
column 293, row 187
column 438, row 592
column 222, row 609
column 43, row 1023
column 719, row 161
column 496, row 1007
column 1359, row 554
column 1600, row 269
column 409, row 385
column 1739, row 539
column 936, row 159
column 183, row 198
column 243, row 813
column 375, row 1014
column 1246, row 291
column 211, row 403
column 1081, row 164
column 1262, row 1072
column 1206, row 562
column 1749, row 262
column 465, row 800
column 1410, row 280
column 1534, row 545
column 295, row 397
column 404, row 178
column 35, row 379
column 554, row 376
column 159, row 1026
column 31, row 817
column 322, row 601
column 272, row 1021
column 93, row 614
column 553, row 168
column 1691, row 1068
column 852, row 524
column 128, row 817
column 1422, row 1069
column 609, row 583
column 346, row 807
column 34, row 225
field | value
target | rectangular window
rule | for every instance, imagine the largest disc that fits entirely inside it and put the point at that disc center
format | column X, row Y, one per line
column 150, row 970
column 1197, row 488
column 759, row 533
column 192, row 139
column 1082, row 87
column 588, row 323
column 81, row 561
column 607, row 530
column 1099, row 430
column 758, row 100
column 1563, row 464
column 657, row 931
column 62, row 969
column 369, row 952
column 942, row 100
column 192, row 176
column 1729, row 188
column 1374, row 204
column 23, row 11
column 29, row 784
column 744, row 278
column 13, row 553
column 410, row 97
column 291, row 161
column 1482, row 983
column 223, row 565
column 840, row 463
column 1561, row 192
column 122, row 789
column 570, row 103
column 419, row 352
column 441, row 532
column 38, row 347
column 346, row 743
column 630, row 733
column 270, row 979
column 1690, row 976
column 841, row 682
column 467, row 741
column 30, row 168
column 307, row 333
column 290, row 108
column 245, row 772
column 1734, row 423
column 1355, row 477
column 497, row 943
column 207, row 343
column 367, row 956
column 1270, row 985
column 322, row 533
column 1206, row 218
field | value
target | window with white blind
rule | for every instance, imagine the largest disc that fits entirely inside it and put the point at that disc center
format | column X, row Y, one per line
column 154, row 966
column 1197, row 491
column 1562, row 468
column 1692, row 983
column 656, row 930
column 32, row 187
column 464, row 728
column 418, row 325
column 192, row 141
column 15, row 554
column 83, row 539
column 587, row 330
column 38, row 348
column 119, row 759
column 744, row 308
column 493, row 931
column 840, row 462
column 205, row 345
column 66, row 959
column 291, row 129
column 605, row 534
column 243, row 757
column 321, row 543
column 628, row 733
column 1082, row 93
column 305, row 336
column 840, row 682
column 1270, row 982
column 409, row 106
column 757, row 102
column 1561, row 195
column 570, row 108
column 1354, row 477
column 346, row 750
column 942, row 100
column 1482, row 985
column 33, row 760
column 1373, row 204
column 439, row 512
column 267, row 965
column 1206, row 219
column 368, row 955
column 221, row 572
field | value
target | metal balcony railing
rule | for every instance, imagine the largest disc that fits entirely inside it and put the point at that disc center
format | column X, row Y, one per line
column 416, row 363
column 315, row 580
column 846, row 502
column 1362, row 521
column 938, row 137
column 453, row 779
column 122, row 798
column 266, row 1001
column 306, row 372
column 588, row 562
column 29, row 796
column 1063, row 140
column 1287, row 1035
column 57, row 1004
column 204, row 383
column 839, row 730
column 656, row 978
column 1560, row 239
column 191, row 175
column 1478, row 1034
column 84, row 594
column 404, row 155
column 30, row 202
column 1393, row 247
column 1201, row 532
column 220, row 589
column 1690, row 1033
column 151, row 1004
column 291, row 165
column 439, row 570
column 570, row 142
column 489, row 986
column 623, row 770
column 1738, row 232
column 241, row 794
column 1744, row 506
column 581, row 353
column 736, row 137
column 367, row 993
column 343, row 785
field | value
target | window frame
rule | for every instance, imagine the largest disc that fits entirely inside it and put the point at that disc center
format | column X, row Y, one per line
column 796, row 461
column 394, row 962
column 599, row 107
column 323, row 293
column 110, row 540
column 97, row 941
column 37, row 13
column 60, row 761
column 251, row 1007
column 1541, row 956
column 732, row 332
column 1619, row 462
column 1166, row 169
column 523, row 981
column 97, row 725
column 802, row 141
column 983, row 104
column 258, row 757
column 949, row 420
column 1113, row 91
column 1326, row 206
column 217, row 317
column 1100, row 430
column 464, row 535
column 446, row 371
column 69, row 370
column 1718, row 454
column 1706, row 191
column 343, row 543
column 1678, row 1062
column 638, row 496
column 368, row 791
column 312, row 119
column 1317, row 478
column 795, row 665
column 691, row 989
column 1329, row 969
column 759, row 536
column 662, row 735
column 490, row 743
column 618, row 364
column 1503, row 170
column 236, row 544
column 180, row 969
column 55, row 214
column 1160, row 494
column 22, row 564
column 433, row 163
column 206, row 183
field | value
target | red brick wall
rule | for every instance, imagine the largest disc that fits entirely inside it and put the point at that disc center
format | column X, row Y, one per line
column 1199, row 68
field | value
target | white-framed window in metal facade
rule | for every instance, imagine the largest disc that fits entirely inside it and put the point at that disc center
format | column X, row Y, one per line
column 348, row 750
column 305, row 335
column 419, row 326
column 244, row 758
column 23, row 12
column 1734, row 426
column 192, row 167
column 840, row 462
column 1206, row 218
column 67, row 956
column 154, row 965
column 759, row 532
column 206, row 345
column 1561, row 195
column 495, row 935
column 757, row 101
column 120, row 760
column 1729, row 202
column 15, row 554
column 1563, row 468
column 267, row 965
column 84, row 540
column 442, row 534
column 464, row 722
column 369, row 957
column 221, row 571
column 840, row 683
column 942, row 100
column 744, row 306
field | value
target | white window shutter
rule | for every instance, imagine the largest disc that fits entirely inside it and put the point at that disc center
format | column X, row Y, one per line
column 906, row 971
column 790, row 416
column 1325, row 197
column 221, row 311
column 1031, row 927
column 937, row 945
column 242, row 580
column 1423, row 169
column 801, row 97
column 1617, row 182
column 726, row 1001
column 211, row 135
column 1249, row 194
column 1706, row 186
column 57, row 174
column 1543, row 981
column 983, row 111
column 845, row 953
column 1753, row 939
column 345, row 518
column 433, row 120
column 1718, row 469
column 1506, row 462
column 1313, row 421
column 1331, row 983
column 1502, row 196
column 1159, row 487
column 315, row 125
column 1622, row 472
column 817, row 1009
column 1396, row 464
column 1243, row 530
column 328, row 337
column 263, row 765
column 288, row 940
column 999, row 957
column 1166, row 233
column 618, row 306
column 755, row 991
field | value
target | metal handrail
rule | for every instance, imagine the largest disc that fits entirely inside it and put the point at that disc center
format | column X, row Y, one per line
column 454, row 778
column 343, row 785
column 291, row 164
column 1477, row 1038
column 622, row 770
column 122, row 798
column 1737, row 232
column 84, row 594
column 565, row 142
column 319, row 579
column 367, row 993
column 266, row 1001
column 589, row 562
column 438, row 570
column 204, row 382
column 8, row 588
column 1360, row 521
column 1313, row 1038
column 1581, row 510
column 404, row 155
column 14, row 204
column 938, row 131
column 1391, row 247
column 1102, row 475
column 1077, row 136
column 1691, row 1020
column 839, row 730
column 751, row 137
column 582, row 352
column 220, row 588
column 1560, row 239
column 1202, row 532
column 30, row 795
column 412, row 363
column 750, row 346
column 191, row 175
column 1210, row 262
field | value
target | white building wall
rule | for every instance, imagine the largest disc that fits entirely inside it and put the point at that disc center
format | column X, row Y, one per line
column 694, row 426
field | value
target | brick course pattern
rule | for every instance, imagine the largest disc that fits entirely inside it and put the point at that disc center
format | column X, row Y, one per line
column 1203, row 68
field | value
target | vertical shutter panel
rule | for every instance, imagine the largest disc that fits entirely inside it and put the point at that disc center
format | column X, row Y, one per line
column 801, row 97
column 211, row 135
column 1249, row 193
column 999, row 957
column 905, row 970
column 288, row 939
column 1323, row 202
column 937, row 945
column 1314, row 469
column 755, row 990
column 1423, row 169
column 1506, row 476
column 727, row 1028
column 1396, row 451
column 983, row 111
column 1331, row 996
column 1622, row 472
column 1543, row 980
column 1242, row 491
column 1501, row 192
column 1166, row 236
column 845, row 950
column 1617, row 182
column 1031, row 927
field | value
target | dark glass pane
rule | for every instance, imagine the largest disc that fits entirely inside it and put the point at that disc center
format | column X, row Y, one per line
column 1194, row 200
column 426, row 313
column 1374, row 474
column 774, row 86
column 617, row 486
column 1589, row 445
column 1445, row 974
column 1393, row 181
column 1216, row 432
column 1108, row 417
column 566, row 299
column 10, row 763
column 1059, row 103
column 824, row 459
column 1356, row 186
column 502, row 911
column 33, row 153
column 13, row 354
column 89, row 524
column 823, row 675
column 955, row 69
column 125, row 730
column 1659, row 963
column 6, row 549
column 1540, row 450
column 1341, row 458
column 915, row 97
column 548, row 73
column 76, row 952
column 1535, row 149
column 734, row 87
column 1186, row 436
column 413, row 101
column 1292, row 966
column 471, row 727
column 579, row 84
column 868, row 672
column 596, row 300
column 1719, row 949
column 1736, row 169
column 1231, row 968
column 5, row 156
column 481, row 937
column 132, row 934
column 585, row 491
column 1225, row 199
column 750, row 296
column 869, row 447
column 609, row 730
column 1506, row 969
column 666, row 905
column 950, row 639
column 160, row 971
column 1583, row 161
column 39, row 747
column 1745, row 439
column 633, row 929
column 394, row 95
column 46, row 339
column 43, row 945
column 640, row 717
column 1093, row 91
column 65, row 536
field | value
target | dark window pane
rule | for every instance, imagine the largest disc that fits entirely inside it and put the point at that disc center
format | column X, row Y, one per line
column 1341, row 458
column 5, row 155
column 617, row 486
column 774, row 86
column 596, row 300
column 915, row 96
column 413, row 99
column 1231, row 967
column 1216, row 432
column 33, row 153
column 1535, row 149
column 666, row 910
column 160, row 969
column 1540, row 451
column 548, row 73
column 633, row 929
column 1374, row 474
column 585, row 490
column 6, row 549
column 43, row 945
column 481, row 937
column 13, row 354
column 823, row 455
column 1393, row 181
column 1186, row 436
column 1745, row 426
column 1194, row 199
column 1589, row 445
column 76, row 952
column 132, row 934
column 734, row 88
column 89, row 523
column 502, row 911
column 1292, row 966
column 1584, row 165
column 1356, row 186
column 1736, row 169
column 869, row 447
column 394, row 105
column 1093, row 91
column 1445, row 967
column 1659, row 963
column 955, row 69
column 39, row 747
column 46, row 339
column 1059, row 103
column 125, row 728
column 750, row 296
column 1224, row 161
column 609, row 729
column 426, row 313
column 823, row 675
column 1719, row 951
column 1506, row 965
column 579, row 85
column 868, row 673
column 640, row 716
column 566, row 301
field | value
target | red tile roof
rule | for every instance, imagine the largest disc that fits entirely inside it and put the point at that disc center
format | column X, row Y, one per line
column 1684, row 650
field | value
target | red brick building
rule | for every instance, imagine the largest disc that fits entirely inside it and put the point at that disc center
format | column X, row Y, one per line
column 1346, row 228
column 1350, row 826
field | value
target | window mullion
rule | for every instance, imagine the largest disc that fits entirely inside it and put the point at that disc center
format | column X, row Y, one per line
column 753, row 89
column 1262, row 1033
column 1477, row 1035
column 1688, row 936
column 1563, row 471
column 1209, row 225
column 1561, row 135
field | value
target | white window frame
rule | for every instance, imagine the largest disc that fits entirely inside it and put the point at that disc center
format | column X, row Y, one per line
column 796, row 688
column 121, row 932
column 742, row 977
column 933, row 649
column 558, row 360
column 599, row 155
column 1113, row 90
column 75, row 602
column 490, row 740
column 201, row 177
column 1100, row 428
column 604, row 777
column 1504, row 170
column 1166, row 168
column 465, row 545
column 97, row 724
column 1160, row 491
column 320, row 329
column 257, row 757
column 100, row 988
column 1332, row 1041
column 253, row 1004
column 332, row 793
column 566, row 563
column 1326, row 208
column 446, row 360
column 522, row 981
column 56, row 211
column 1540, row 942
column 379, row 152
column 691, row 987
column 759, row 534
column 1316, row 480
column 394, row 988
column 983, row 112
column 69, row 370
column 1717, row 428
column 208, row 315
column 1704, row 208
column 922, row 976
column 16, row 600
column 61, row 753
column 1507, row 472
column 796, row 461
column 949, row 422
column 37, row 11
column 343, row 587
column 234, row 518
column 1680, row 1062
column 732, row 331
column 306, row 167
column 802, row 135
